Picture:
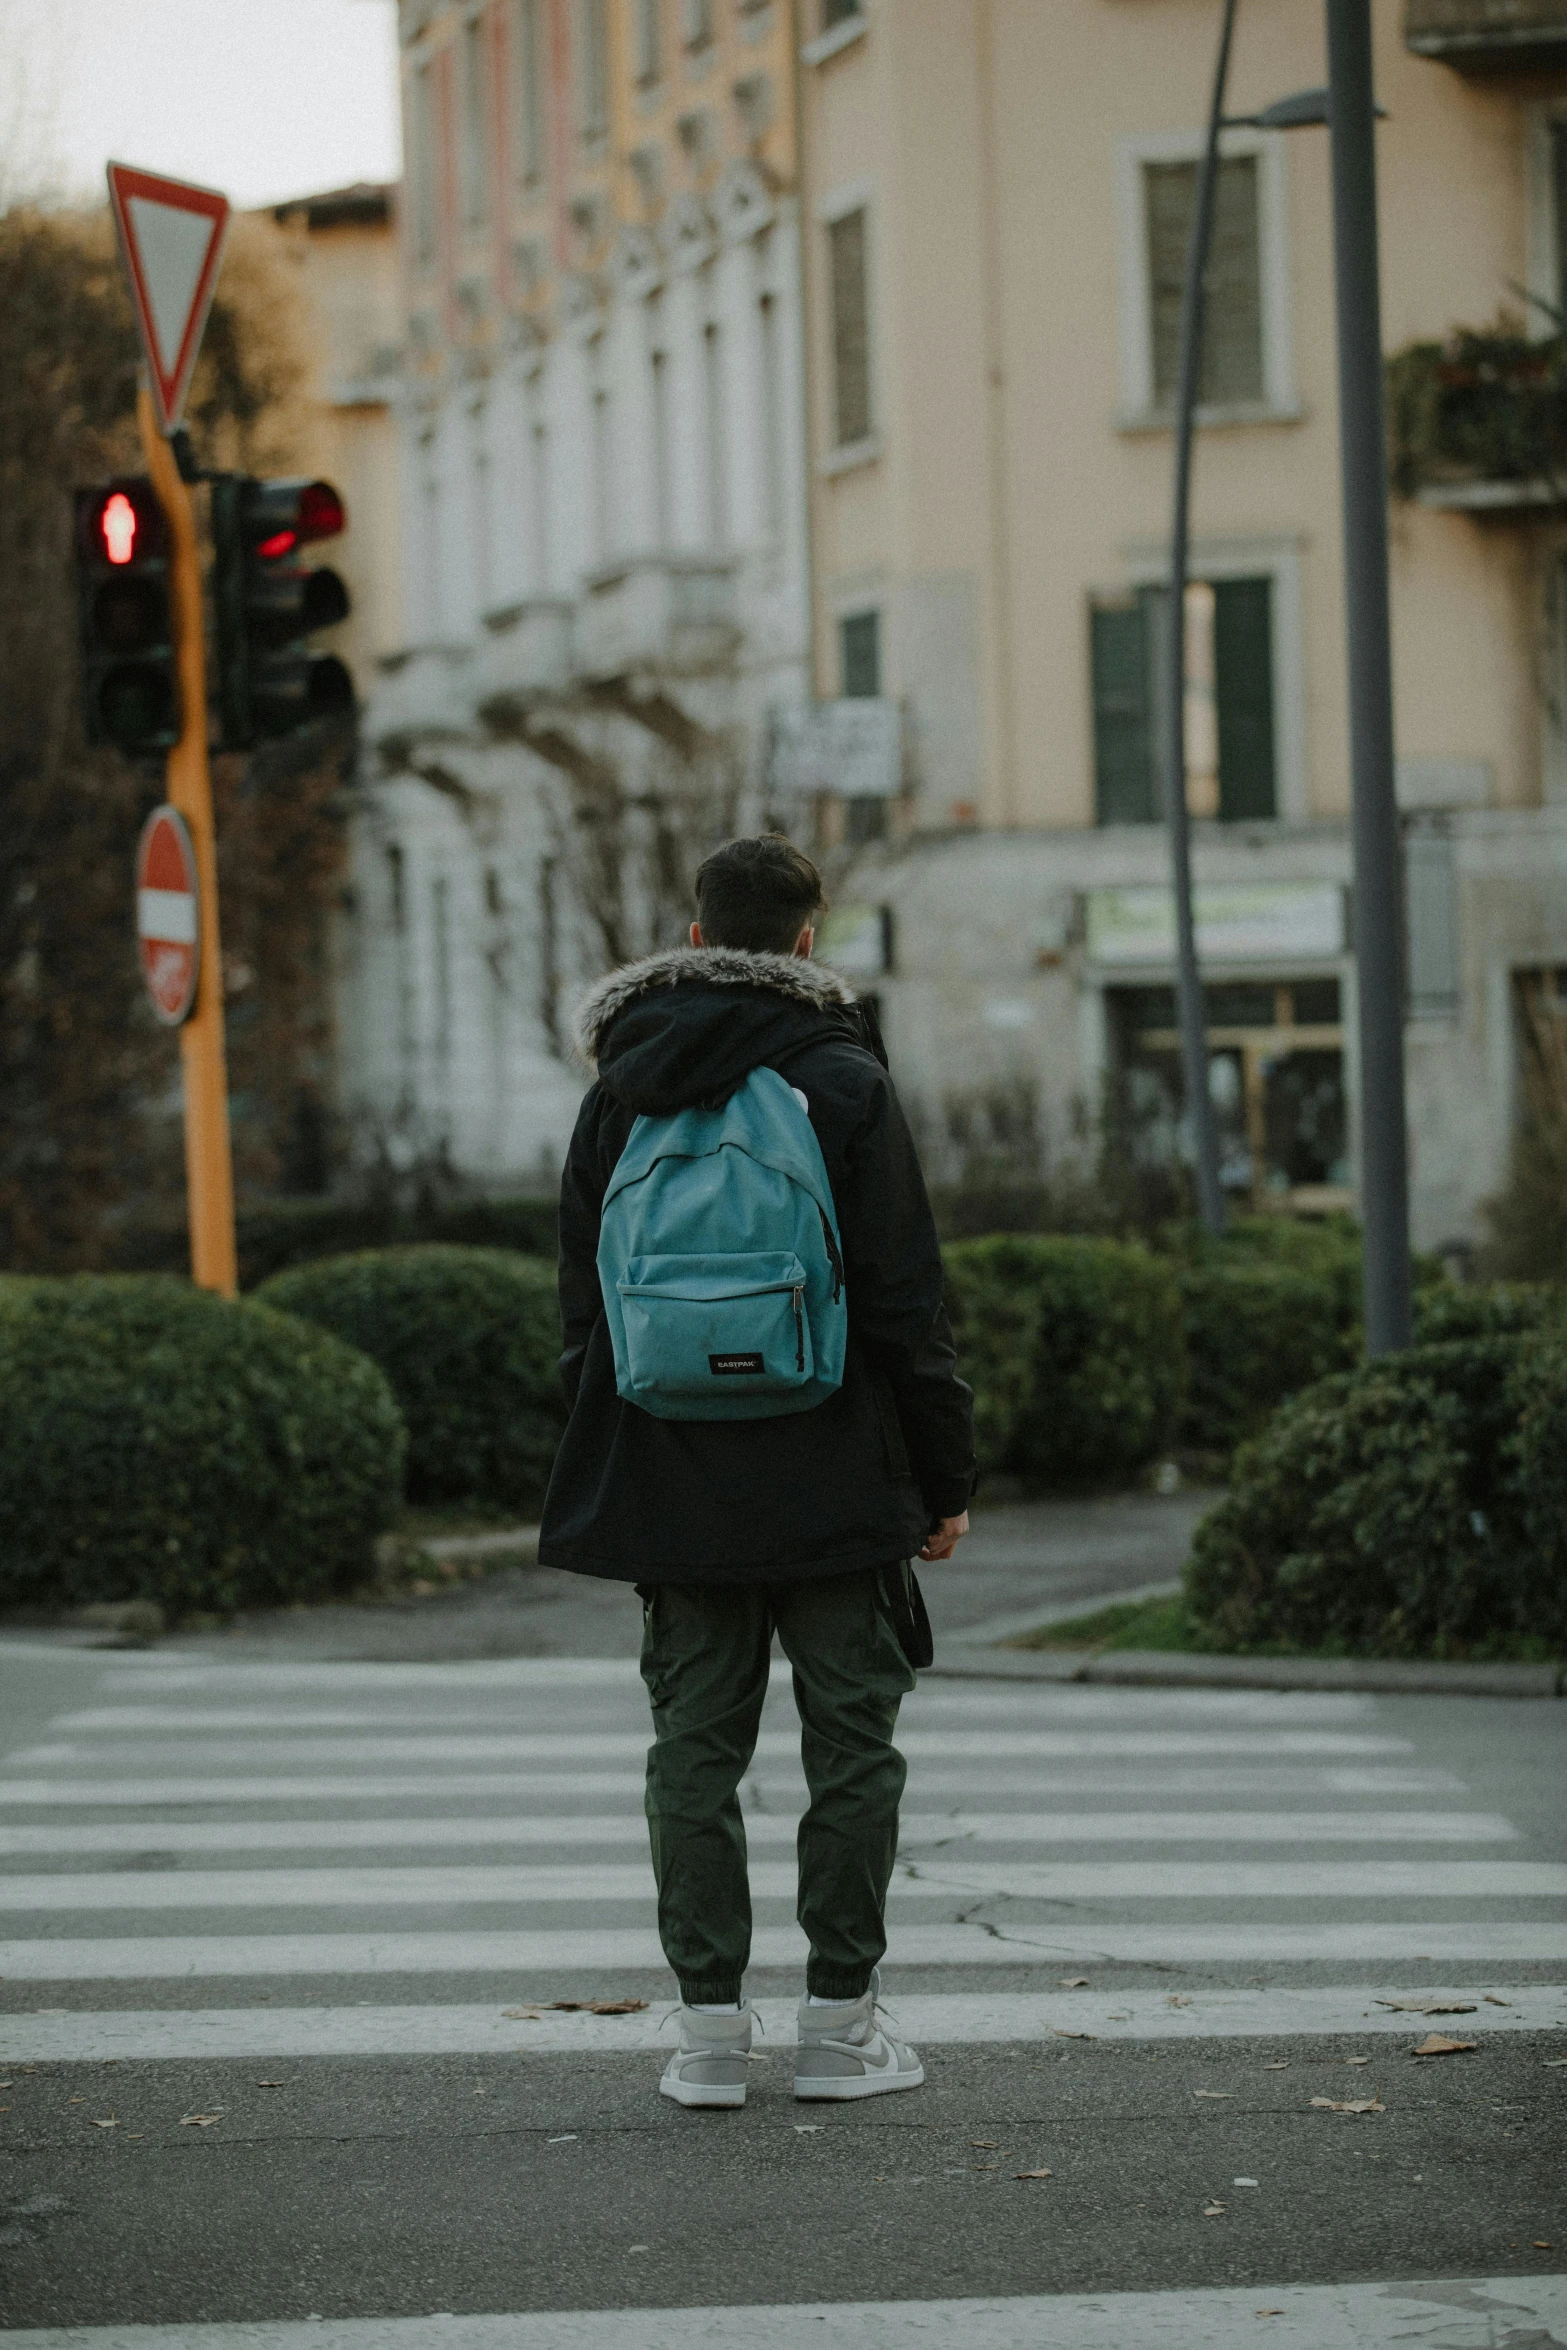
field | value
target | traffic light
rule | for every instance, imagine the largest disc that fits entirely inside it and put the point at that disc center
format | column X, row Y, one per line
column 130, row 691
column 266, row 603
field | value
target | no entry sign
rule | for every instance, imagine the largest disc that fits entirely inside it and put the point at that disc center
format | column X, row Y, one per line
column 168, row 915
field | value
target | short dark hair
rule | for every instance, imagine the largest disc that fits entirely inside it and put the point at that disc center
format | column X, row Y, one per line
column 758, row 894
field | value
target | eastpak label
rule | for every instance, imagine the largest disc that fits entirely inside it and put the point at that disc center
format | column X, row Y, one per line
column 734, row 1366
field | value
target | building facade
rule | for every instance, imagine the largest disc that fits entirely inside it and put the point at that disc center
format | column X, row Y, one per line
column 997, row 195
column 605, row 578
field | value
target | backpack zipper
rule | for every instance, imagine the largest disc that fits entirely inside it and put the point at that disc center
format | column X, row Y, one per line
column 798, row 1295
column 832, row 1251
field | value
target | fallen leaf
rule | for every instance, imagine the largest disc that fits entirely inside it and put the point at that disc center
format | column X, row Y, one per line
column 528, row 2015
column 809, row 2129
column 598, row 2006
column 1437, row 2044
column 1429, row 2006
column 7, row 2084
column 1115, row 2016
column 1491, row 2000
column 568, row 2138
column 200, row 2121
column 1357, row 2060
column 1277, row 2064
column 1177, row 1999
column 1033, row 2174
column 274, row 2084
column 1222, row 2094
column 1060, row 2035
column 985, row 2145
column 1553, row 2064
column 1543, row 2244
column 1074, row 1982
column 1214, row 2210
column 112, row 2123
column 135, row 2138
column 1350, row 2104
column 1243, row 2182
column 638, row 2247
column 1268, row 2313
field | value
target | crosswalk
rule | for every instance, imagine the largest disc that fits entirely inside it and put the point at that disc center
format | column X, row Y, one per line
column 359, row 1860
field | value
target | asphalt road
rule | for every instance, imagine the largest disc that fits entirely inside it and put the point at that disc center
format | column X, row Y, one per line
column 296, row 1896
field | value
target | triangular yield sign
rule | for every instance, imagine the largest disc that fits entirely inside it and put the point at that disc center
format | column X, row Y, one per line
column 171, row 235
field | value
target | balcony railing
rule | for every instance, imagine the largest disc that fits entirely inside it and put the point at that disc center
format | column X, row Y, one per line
column 523, row 656
column 1489, row 36
column 672, row 615
column 1480, row 421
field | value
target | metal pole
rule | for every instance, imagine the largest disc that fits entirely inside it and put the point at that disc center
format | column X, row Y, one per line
column 209, row 1175
column 1384, row 1180
column 1194, row 1040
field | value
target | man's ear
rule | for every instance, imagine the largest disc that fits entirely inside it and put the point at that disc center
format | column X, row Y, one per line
column 804, row 943
column 697, row 939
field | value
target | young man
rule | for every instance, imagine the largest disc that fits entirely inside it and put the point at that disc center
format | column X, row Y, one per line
column 800, row 1522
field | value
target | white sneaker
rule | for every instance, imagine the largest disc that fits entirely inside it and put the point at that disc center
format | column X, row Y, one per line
column 844, row 2052
column 711, row 2064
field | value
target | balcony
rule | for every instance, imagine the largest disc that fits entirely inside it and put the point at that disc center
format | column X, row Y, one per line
column 524, row 656
column 1478, row 424
column 1489, row 36
column 667, row 615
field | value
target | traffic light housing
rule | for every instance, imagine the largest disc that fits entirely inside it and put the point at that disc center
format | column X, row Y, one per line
column 130, row 686
column 266, row 603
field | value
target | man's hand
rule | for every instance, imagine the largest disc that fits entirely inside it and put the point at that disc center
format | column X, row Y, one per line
column 944, row 1537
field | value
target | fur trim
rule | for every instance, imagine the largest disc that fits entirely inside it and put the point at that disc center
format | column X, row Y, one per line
column 791, row 975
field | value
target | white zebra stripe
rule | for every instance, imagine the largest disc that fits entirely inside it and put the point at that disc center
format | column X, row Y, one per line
column 930, row 2019
column 189, row 1957
column 948, row 1829
column 524, row 1885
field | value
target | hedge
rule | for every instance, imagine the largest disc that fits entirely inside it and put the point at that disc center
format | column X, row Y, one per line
column 1075, row 1352
column 1256, row 1333
column 280, row 1233
column 470, row 1341
column 1412, row 1508
column 160, row 1443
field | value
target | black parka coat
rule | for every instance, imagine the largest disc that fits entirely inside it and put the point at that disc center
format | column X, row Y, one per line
column 858, row 1480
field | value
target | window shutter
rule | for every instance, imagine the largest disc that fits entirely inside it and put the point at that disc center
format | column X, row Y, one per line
column 1231, row 368
column 850, row 330
column 1123, row 644
column 1243, row 680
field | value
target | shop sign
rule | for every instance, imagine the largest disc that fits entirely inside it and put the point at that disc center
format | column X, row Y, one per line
column 1237, row 922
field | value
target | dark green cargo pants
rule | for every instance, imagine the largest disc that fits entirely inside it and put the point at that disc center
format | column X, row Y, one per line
column 705, row 1659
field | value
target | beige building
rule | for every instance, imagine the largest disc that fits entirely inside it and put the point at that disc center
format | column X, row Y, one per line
column 997, row 194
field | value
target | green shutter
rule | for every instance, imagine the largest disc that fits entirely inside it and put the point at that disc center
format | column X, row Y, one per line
column 1243, row 679
column 850, row 330
column 1125, row 789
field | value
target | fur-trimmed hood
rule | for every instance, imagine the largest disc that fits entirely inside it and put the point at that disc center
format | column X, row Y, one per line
column 688, row 1026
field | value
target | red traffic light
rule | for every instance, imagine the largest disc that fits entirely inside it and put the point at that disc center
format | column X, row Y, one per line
column 314, row 510
column 117, row 527
column 124, row 525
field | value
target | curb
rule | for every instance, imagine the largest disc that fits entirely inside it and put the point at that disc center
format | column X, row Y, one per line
column 1136, row 1668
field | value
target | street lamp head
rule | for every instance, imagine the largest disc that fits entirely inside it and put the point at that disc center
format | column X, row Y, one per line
column 1302, row 110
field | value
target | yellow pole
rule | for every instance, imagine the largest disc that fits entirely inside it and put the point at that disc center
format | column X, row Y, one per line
column 209, row 1172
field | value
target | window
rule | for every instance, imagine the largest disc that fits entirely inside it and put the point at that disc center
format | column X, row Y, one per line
column 1231, row 374
column 528, row 91
column 850, row 329
column 658, row 363
column 1275, row 1077
column 717, row 453
column 593, row 68
column 696, row 23
column 772, row 417
column 836, row 12
column 649, row 41
column 421, row 165
column 1430, row 920
column 1229, row 698
column 859, row 655
column 475, row 141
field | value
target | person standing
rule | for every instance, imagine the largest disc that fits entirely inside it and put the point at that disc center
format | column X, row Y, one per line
column 766, row 1426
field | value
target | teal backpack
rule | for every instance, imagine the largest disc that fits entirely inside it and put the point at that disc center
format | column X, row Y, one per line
column 719, row 1261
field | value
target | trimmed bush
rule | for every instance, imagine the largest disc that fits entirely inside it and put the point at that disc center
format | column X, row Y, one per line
column 1075, row 1352
column 1256, row 1333
column 1499, row 1309
column 1408, row 1509
column 160, row 1443
column 470, row 1340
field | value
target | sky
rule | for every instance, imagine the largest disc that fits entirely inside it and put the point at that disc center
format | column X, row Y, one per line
column 261, row 98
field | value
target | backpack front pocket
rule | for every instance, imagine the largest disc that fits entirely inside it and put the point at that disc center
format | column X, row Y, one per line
column 714, row 1327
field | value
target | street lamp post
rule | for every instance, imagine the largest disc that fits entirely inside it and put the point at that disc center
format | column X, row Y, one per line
column 1188, row 984
column 1384, row 1180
